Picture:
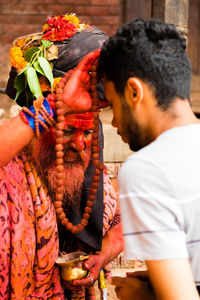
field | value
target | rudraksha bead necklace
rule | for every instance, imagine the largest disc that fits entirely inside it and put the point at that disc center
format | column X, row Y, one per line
column 58, row 203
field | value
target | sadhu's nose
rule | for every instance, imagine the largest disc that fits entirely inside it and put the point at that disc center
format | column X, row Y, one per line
column 79, row 140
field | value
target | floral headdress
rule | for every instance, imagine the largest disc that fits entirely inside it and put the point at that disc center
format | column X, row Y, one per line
column 32, row 55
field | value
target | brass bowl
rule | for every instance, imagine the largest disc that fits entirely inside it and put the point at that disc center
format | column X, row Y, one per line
column 71, row 265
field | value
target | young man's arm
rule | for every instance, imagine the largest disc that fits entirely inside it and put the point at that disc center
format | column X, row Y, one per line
column 172, row 279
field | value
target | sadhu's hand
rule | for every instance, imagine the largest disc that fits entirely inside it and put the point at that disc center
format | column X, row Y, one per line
column 76, row 96
column 130, row 288
column 93, row 264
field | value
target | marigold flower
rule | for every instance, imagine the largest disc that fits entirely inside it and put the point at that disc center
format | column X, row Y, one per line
column 16, row 58
column 72, row 19
column 56, row 82
column 45, row 85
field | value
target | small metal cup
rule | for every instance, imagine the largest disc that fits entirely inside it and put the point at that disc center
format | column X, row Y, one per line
column 71, row 265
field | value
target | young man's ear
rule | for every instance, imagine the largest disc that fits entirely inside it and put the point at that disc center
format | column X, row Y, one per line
column 134, row 91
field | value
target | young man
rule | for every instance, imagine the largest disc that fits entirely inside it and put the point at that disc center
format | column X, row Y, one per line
column 36, row 171
column 147, row 83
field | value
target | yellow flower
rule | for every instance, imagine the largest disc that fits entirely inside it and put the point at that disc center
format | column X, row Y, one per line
column 16, row 58
column 56, row 82
column 72, row 19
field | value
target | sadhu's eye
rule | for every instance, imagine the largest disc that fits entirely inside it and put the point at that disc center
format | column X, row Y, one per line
column 69, row 131
column 88, row 132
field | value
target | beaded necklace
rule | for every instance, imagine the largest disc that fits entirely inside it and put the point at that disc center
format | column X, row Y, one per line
column 58, row 203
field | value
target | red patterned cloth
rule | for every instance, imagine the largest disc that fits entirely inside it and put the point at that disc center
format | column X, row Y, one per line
column 29, row 237
column 29, row 234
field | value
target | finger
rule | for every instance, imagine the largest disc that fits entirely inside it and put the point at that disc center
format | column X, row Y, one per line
column 88, row 60
column 90, row 262
column 143, row 275
column 86, row 79
column 117, row 281
column 88, row 281
column 131, row 274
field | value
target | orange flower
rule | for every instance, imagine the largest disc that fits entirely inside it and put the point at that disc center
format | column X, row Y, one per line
column 45, row 85
column 58, row 29
column 16, row 58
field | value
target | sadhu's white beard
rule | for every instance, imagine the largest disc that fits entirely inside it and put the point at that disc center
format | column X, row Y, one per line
column 44, row 159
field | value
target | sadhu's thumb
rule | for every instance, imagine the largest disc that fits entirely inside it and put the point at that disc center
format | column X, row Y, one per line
column 89, row 263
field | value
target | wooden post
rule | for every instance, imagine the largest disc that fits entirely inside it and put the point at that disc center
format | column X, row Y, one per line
column 123, row 8
column 172, row 11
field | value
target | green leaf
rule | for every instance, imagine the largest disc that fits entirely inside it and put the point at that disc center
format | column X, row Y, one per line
column 29, row 97
column 44, row 64
column 33, row 82
column 37, row 67
column 29, row 53
column 19, row 84
column 46, row 43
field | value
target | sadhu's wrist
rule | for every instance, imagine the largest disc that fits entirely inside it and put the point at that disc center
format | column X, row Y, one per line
column 40, row 116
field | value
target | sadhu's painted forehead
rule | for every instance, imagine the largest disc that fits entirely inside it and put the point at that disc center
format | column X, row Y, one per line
column 83, row 121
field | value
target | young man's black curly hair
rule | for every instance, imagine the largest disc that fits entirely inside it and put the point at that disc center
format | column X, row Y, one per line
column 153, row 51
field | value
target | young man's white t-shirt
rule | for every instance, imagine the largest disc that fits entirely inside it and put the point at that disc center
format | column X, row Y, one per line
column 160, row 198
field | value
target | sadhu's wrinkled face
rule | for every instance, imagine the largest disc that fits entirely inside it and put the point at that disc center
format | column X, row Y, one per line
column 77, row 138
column 77, row 153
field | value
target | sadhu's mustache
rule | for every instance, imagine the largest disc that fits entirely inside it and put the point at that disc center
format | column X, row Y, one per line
column 77, row 156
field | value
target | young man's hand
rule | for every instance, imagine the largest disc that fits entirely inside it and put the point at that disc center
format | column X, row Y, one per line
column 130, row 288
